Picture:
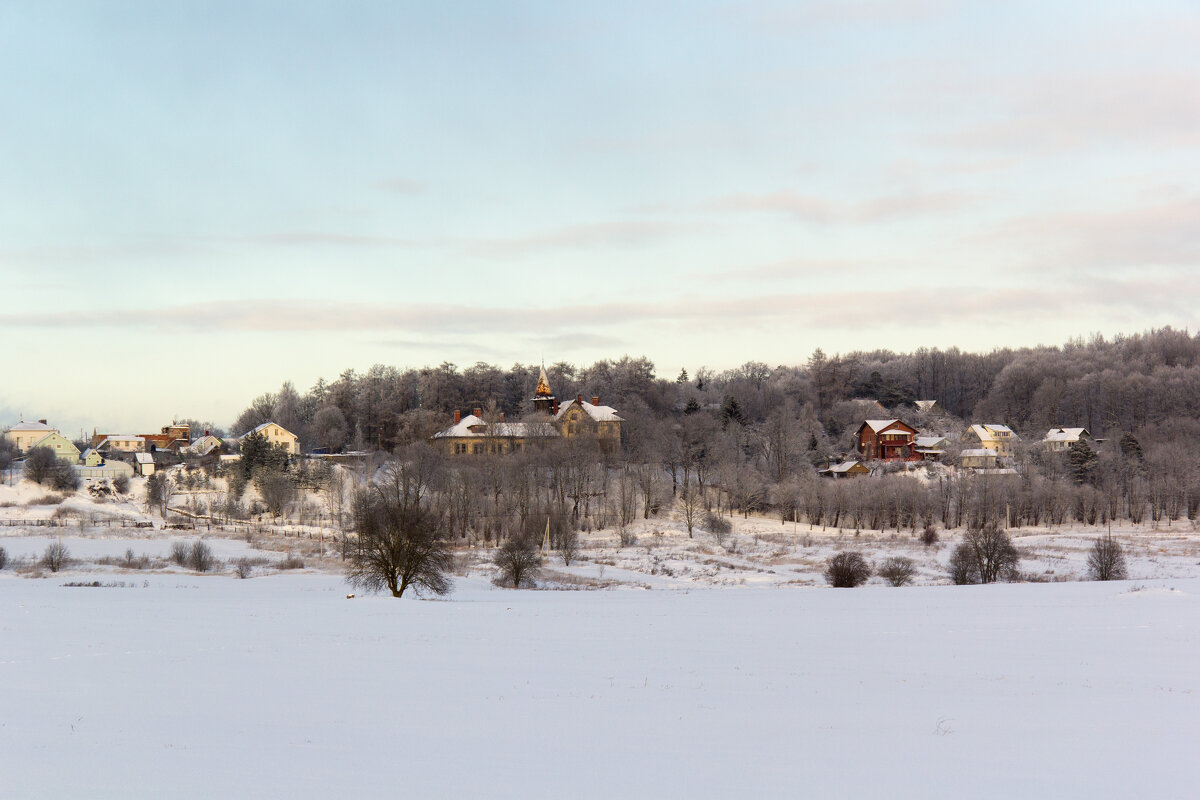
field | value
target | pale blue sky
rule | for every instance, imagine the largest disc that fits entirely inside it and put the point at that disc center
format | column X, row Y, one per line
column 199, row 201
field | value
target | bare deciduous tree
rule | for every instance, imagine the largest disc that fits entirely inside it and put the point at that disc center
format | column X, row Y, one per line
column 518, row 559
column 986, row 555
column 397, row 547
column 1106, row 560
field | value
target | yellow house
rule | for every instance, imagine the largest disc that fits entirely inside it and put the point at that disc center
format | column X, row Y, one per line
column 999, row 438
column 25, row 434
column 592, row 420
column 277, row 434
column 60, row 445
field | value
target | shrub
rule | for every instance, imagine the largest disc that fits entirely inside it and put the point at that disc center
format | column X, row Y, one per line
column 627, row 537
column 46, row 500
column 847, row 570
column 1106, row 561
column 179, row 553
column 243, row 568
column 291, row 562
column 3, row 557
column 55, row 557
column 897, row 570
column 121, row 484
column 64, row 478
column 718, row 526
column 200, row 557
column 929, row 536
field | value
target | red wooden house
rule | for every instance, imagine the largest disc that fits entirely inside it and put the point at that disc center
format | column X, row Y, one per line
column 886, row 440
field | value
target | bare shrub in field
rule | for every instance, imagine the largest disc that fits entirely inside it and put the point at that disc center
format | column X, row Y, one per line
column 200, row 557
column 847, row 570
column 1106, row 560
column 897, row 570
column 929, row 536
column 56, row 556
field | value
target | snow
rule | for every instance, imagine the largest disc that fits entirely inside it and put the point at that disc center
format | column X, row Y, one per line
column 691, row 669
column 201, row 686
column 878, row 425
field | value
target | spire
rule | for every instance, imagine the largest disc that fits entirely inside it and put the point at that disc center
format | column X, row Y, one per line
column 543, row 398
column 543, row 386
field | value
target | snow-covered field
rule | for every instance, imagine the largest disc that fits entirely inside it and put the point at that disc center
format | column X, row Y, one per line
column 698, row 669
column 201, row 686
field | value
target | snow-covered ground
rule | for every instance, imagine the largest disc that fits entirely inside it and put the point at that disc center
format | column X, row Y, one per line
column 696, row 669
column 202, row 686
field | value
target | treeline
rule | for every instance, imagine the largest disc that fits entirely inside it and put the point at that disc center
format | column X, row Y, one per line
column 1108, row 386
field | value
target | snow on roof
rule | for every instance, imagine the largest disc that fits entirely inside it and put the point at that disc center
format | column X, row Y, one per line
column 597, row 413
column 266, row 425
column 845, row 466
column 928, row 441
column 1065, row 434
column 31, row 426
column 144, row 458
column 879, row 424
column 517, row 430
column 925, row 405
column 979, row 452
column 124, row 437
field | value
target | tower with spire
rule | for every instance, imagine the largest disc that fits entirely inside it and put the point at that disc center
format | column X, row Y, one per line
column 543, row 398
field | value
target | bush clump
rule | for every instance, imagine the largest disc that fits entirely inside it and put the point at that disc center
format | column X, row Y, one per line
column 200, row 557
column 897, row 570
column 986, row 555
column 56, row 556
column 847, row 570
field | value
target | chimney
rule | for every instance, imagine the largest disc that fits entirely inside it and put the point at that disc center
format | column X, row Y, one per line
column 579, row 399
column 207, row 433
column 555, row 411
column 595, row 400
column 457, row 416
column 502, row 416
column 43, row 422
column 479, row 413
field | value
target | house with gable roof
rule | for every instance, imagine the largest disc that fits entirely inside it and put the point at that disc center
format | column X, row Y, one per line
column 1059, row 440
column 24, row 434
column 886, row 440
column 991, row 436
column 477, row 434
column 60, row 445
column 276, row 434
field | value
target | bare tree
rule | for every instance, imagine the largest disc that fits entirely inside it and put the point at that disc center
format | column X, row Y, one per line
column 1106, row 560
column 691, row 504
column 278, row 491
column 518, row 559
column 568, row 545
column 397, row 547
column 986, row 555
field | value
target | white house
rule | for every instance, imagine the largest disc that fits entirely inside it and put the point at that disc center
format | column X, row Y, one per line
column 1059, row 440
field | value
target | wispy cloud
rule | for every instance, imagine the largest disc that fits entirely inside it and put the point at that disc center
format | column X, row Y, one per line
column 808, row 208
column 1161, row 234
column 578, row 237
column 607, row 322
column 776, row 17
column 1077, row 112
column 403, row 186
column 307, row 238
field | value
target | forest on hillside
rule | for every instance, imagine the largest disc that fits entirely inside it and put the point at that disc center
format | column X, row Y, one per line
column 1140, row 382
column 752, row 439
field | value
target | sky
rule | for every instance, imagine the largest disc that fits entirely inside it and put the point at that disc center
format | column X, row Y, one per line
column 201, row 200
